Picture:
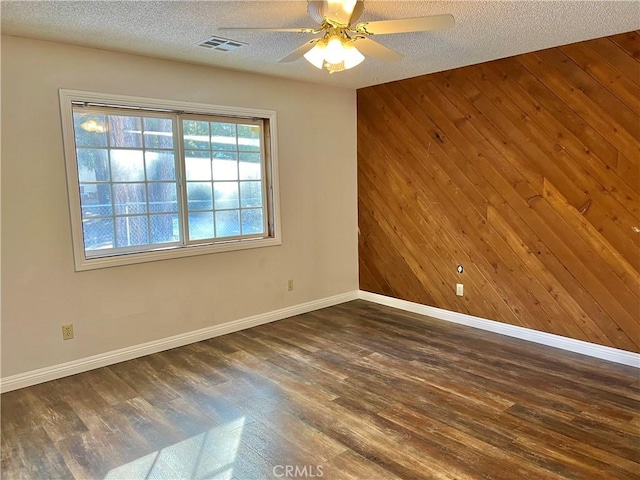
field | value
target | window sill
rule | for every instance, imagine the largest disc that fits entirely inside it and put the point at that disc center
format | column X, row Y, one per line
column 83, row 264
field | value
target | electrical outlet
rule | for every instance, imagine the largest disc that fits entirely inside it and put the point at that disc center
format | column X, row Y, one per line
column 290, row 285
column 67, row 331
column 459, row 289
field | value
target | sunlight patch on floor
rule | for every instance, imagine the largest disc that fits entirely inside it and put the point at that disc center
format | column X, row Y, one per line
column 209, row 455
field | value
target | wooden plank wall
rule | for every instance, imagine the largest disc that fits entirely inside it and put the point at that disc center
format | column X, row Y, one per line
column 524, row 170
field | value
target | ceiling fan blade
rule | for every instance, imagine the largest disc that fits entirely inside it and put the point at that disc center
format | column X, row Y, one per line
column 340, row 11
column 376, row 50
column 299, row 52
column 406, row 25
column 285, row 30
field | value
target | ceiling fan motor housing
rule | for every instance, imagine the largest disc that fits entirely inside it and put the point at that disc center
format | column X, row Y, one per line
column 318, row 10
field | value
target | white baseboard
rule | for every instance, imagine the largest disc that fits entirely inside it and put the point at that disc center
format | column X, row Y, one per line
column 46, row 374
column 565, row 343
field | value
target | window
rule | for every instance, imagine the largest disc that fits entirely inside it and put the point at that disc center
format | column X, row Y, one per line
column 151, row 179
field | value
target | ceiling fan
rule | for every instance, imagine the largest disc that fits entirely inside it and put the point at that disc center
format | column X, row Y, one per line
column 343, row 42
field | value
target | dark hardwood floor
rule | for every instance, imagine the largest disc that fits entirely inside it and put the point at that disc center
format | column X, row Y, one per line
column 356, row 391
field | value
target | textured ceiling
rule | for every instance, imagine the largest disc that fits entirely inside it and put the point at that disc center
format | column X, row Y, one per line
column 484, row 30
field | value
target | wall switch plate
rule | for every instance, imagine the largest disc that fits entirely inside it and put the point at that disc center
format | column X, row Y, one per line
column 67, row 331
column 290, row 285
column 459, row 289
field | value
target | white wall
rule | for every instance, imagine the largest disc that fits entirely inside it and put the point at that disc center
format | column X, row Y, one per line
column 123, row 306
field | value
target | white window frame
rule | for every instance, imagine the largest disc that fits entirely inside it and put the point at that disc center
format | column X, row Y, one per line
column 155, row 253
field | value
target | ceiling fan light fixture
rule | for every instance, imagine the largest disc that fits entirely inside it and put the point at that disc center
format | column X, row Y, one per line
column 334, row 50
column 352, row 56
column 335, row 67
column 334, row 53
column 315, row 56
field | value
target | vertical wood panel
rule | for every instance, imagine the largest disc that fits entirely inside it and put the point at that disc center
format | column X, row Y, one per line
column 525, row 170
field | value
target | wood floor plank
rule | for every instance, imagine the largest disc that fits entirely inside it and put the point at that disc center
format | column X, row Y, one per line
column 353, row 466
column 32, row 456
column 354, row 391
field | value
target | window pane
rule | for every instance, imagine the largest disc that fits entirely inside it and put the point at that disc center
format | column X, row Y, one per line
column 198, row 165
column 196, row 135
column 131, row 231
column 137, row 183
column 93, row 165
column 252, row 221
column 125, row 131
column 127, row 165
column 225, row 195
column 165, row 228
column 98, row 233
column 163, row 197
column 160, row 165
column 228, row 223
column 251, row 194
column 95, row 200
column 199, row 196
column 250, row 166
column 129, row 198
column 225, row 166
column 200, row 225
column 249, row 138
column 223, row 136
column 90, row 129
column 158, row 133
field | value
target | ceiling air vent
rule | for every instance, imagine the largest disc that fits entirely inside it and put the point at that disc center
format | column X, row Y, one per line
column 220, row 44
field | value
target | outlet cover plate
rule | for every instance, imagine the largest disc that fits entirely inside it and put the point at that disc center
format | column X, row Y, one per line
column 67, row 331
